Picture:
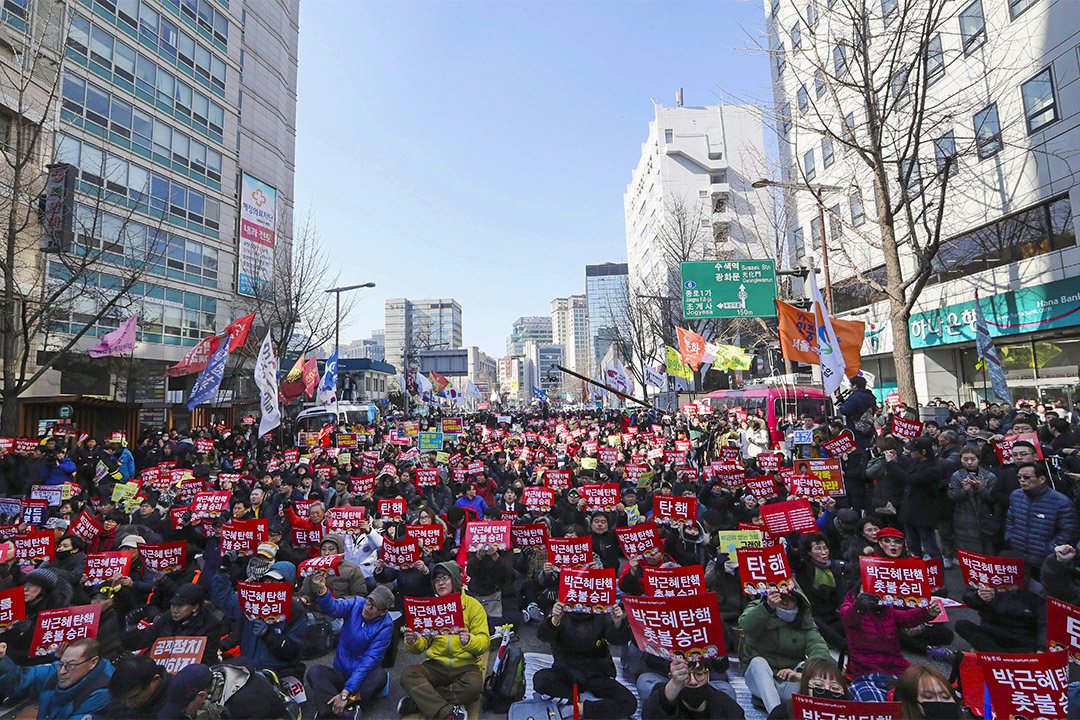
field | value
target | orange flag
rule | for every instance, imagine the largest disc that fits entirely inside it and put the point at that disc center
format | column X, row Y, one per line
column 691, row 347
column 311, row 376
column 798, row 337
column 293, row 386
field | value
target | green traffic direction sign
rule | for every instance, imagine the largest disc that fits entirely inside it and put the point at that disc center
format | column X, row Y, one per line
column 729, row 289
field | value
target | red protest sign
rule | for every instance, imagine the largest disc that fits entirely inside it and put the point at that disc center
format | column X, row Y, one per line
column 210, row 504
column 204, row 445
column 935, row 573
column 62, row 626
column 362, row 484
column 784, row 518
column 291, row 456
column 244, row 536
column 426, row 477
column 106, row 565
column 400, row 554
column 303, row 537
column 674, row 458
column 805, row 707
column 429, row 617
column 557, row 479
column 587, row 591
column 488, row 532
column 570, row 552
column 687, row 625
column 769, row 462
column 900, row 582
column 529, row 536
column 638, row 540
column 634, row 471
column 34, row 546
column 429, row 536
column 538, row 499
column 674, row 510
column 345, row 519
column 840, row 445
column 392, row 509
column 729, row 473
column 176, row 653
column 763, row 570
column 762, row 487
column 805, row 485
column 1063, row 628
column 1026, row 685
column 600, row 496
column 828, row 470
column 271, row 602
column 1003, row 447
column 608, row 456
column 164, row 557
column 674, row 581
column 328, row 564
column 86, row 527
column 12, row 607
column 985, row 571
column 906, row 429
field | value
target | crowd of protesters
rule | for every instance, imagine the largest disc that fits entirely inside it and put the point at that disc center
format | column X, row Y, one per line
column 929, row 496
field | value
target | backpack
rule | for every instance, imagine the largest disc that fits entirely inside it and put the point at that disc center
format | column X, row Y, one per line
column 506, row 683
column 535, row 709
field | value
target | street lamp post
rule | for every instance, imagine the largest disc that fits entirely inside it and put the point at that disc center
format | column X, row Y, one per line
column 817, row 191
column 337, row 308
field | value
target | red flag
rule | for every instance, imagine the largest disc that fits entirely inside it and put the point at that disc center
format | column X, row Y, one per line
column 293, row 386
column 311, row 376
column 238, row 331
column 691, row 347
column 196, row 359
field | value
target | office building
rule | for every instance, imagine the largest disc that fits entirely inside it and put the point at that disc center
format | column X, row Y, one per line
column 540, row 370
column 537, row 328
column 607, row 297
column 570, row 328
column 483, row 371
column 372, row 348
column 414, row 326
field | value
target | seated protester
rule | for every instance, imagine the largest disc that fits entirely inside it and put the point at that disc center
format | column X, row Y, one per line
column 510, row 506
column 822, row 579
column 444, row 684
column 686, row 545
column 630, row 582
column 490, row 575
column 138, row 689
column 140, row 578
column 539, row 586
column 780, row 635
column 349, row 581
column 873, row 633
column 821, row 678
column 75, row 686
column 687, row 694
column 971, row 490
column 863, row 541
column 579, row 644
column 106, row 539
column 234, row 690
column 923, row 692
column 356, row 677
column 413, row 581
column 471, row 501
column 43, row 589
column 116, row 602
column 1012, row 619
column 647, row 671
column 605, row 542
column 188, row 615
column 274, row 646
column 70, row 562
column 1058, row 576
column 147, row 514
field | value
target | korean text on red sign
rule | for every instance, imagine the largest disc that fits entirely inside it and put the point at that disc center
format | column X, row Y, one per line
column 902, row 582
column 176, row 653
column 668, row 625
column 62, row 626
column 400, row 554
column 587, row 591
column 392, row 509
column 164, row 557
column 1026, row 685
column 787, row 517
column 106, row 565
column 570, row 552
column 763, row 570
column 674, row 581
column 1063, row 628
column 600, row 496
column 674, row 510
column 495, row 533
column 984, row 571
column 804, row 707
column 271, row 602
column 428, row 617
column 638, row 540
column 529, row 536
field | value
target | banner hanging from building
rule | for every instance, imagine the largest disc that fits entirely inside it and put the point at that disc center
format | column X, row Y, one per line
column 258, row 229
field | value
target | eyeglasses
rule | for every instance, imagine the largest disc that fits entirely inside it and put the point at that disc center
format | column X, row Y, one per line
column 891, row 541
column 823, row 685
column 69, row 666
column 700, row 673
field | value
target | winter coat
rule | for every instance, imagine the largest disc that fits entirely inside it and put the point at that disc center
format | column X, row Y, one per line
column 447, row 649
column 718, row 705
column 1039, row 520
column 874, row 640
column 87, row 698
column 974, row 520
column 824, row 599
column 206, row 622
column 127, row 464
column 782, row 644
column 888, row 480
column 1060, row 580
column 1015, row 619
column 921, row 493
column 362, row 644
column 579, row 644
column 58, row 474
column 857, row 404
column 349, row 581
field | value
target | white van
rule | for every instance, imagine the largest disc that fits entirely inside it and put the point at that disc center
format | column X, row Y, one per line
column 314, row 419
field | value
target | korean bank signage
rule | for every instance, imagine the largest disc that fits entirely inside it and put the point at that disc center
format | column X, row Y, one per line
column 1053, row 305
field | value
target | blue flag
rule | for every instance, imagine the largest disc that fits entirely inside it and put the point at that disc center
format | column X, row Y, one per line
column 327, row 392
column 539, row 394
column 206, row 386
column 988, row 353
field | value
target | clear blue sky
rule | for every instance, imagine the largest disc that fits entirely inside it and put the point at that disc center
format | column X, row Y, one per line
column 480, row 150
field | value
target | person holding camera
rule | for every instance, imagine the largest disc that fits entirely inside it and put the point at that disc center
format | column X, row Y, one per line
column 57, row 468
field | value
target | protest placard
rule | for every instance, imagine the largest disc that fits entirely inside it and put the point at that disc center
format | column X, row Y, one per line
column 538, row 499
column 688, row 625
column 906, row 429
column 764, row 570
column 529, row 536
column 902, row 582
column 570, row 552
column 430, row 536
column 985, row 571
column 840, row 445
column 587, row 591
column 495, row 533
column 638, row 540
column 12, row 606
column 805, row 707
column 345, row 519
column 103, row 566
column 1026, row 685
column 164, row 557
column 400, row 554
column 1063, row 628
column 429, row 617
column 674, row 510
column 176, row 653
column 329, row 564
column 85, row 527
column 828, row 470
column 35, row 545
column 600, row 496
column 784, row 518
column 392, row 509
column 62, row 626
column 244, row 536
column 673, row 581
column 270, row 602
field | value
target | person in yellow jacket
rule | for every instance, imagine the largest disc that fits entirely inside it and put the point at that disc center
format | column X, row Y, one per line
column 443, row 685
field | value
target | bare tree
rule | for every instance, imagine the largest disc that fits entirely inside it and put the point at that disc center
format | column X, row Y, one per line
column 866, row 71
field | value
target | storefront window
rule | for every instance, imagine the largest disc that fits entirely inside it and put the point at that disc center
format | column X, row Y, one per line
column 1042, row 371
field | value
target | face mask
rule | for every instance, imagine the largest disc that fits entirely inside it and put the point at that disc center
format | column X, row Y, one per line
column 941, row 710
column 694, row 697
column 61, row 554
column 787, row 615
column 827, row 694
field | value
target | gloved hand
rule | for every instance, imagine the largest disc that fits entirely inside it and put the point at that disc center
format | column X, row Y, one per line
column 259, row 627
column 185, row 519
column 132, row 619
column 866, row 602
column 227, row 560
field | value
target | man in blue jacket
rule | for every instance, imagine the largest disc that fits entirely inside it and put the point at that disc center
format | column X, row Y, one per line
column 357, row 675
column 1039, row 519
column 75, row 686
column 57, row 469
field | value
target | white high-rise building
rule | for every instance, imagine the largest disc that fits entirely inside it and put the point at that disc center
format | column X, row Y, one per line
column 693, row 180
column 418, row 325
column 570, row 328
column 1000, row 84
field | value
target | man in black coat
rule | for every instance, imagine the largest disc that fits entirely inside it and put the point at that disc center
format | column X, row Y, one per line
column 188, row 616
column 688, row 694
column 858, row 403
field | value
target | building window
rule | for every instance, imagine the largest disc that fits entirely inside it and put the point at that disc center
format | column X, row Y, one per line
column 988, row 131
column 797, row 246
column 889, row 9
column 858, row 216
column 898, row 84
column 849, row 129
column 910, row 176
column 815, row 230
column 718, row 177
column 1040, row 108
column 860, row 290
column 808, row 165
column 669, row 136
column 945, row 151
column 819, row 82
column 796, row 36
column 781, row 60
column 834, row 222
column 804, row 99
column 972, row 26
column 826, row 152
column 1018, row 6
column 839, row 57
column 935, row 60
column 811, row 14
column 785, row 118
